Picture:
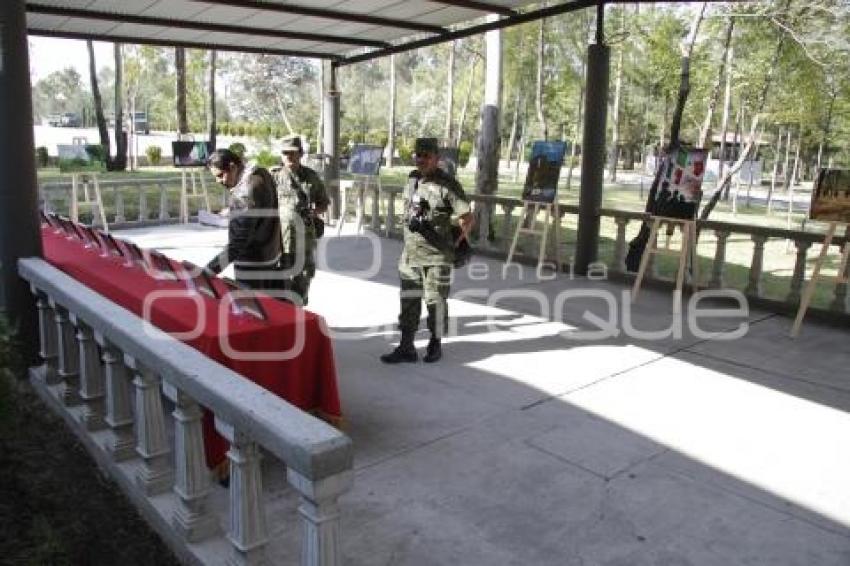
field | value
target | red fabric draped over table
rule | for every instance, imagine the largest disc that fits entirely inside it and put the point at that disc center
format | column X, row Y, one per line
column 307, row 379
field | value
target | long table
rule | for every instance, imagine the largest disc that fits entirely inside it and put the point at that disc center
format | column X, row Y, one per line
column 290, row 353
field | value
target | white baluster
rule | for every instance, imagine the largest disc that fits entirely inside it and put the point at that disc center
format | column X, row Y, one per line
column 247, row 532
column 155, row 475
column 121, row 445
column 69, row 363
column 91, row 378
column 48, row 347
column 191, row 518
column 319, row 512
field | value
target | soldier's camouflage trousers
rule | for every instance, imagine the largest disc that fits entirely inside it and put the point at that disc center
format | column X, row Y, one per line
column 299, row 283
column 424, row 283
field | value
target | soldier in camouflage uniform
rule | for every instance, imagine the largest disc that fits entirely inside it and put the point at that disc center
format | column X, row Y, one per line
column 253, row 244
column 301, row 198
column 433, row 200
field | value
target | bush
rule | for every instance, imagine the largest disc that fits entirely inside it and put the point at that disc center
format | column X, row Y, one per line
column 41, row 156
column 267, row 159
column 405, row 153
column 154, row 153
column 463, row 153
column 237, row 148
column 224, row 128
column 240, row 130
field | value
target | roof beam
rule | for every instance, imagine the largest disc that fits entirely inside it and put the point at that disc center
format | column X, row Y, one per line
column 328, row 14
column 196, row 25
column 480, row 6
column 173, row 43
column 519, row 18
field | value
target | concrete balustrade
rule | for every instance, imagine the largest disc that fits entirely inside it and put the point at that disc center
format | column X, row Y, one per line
column 116, row 380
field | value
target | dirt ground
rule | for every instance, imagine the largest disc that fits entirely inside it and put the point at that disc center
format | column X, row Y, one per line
column 55, row 506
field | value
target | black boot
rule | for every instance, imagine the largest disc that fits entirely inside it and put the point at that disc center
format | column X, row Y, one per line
column 404, row 353
column 434, row 351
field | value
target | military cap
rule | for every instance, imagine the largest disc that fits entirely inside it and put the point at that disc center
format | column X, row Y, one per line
column 292, row 143
column 426, row 145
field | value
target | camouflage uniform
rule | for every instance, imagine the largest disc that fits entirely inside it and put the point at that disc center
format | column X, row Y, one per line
column 425, row 269
column 298, row 192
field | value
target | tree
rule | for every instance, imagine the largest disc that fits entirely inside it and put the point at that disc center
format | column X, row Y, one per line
column 211, row 118
column 98, row 103
column 180, row 68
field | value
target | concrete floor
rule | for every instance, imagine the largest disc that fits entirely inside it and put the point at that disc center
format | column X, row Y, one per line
column 530, row 443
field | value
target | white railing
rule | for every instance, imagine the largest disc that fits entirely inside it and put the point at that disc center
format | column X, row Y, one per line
column 112, row 377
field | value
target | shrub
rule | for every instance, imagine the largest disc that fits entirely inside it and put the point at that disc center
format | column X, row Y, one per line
column 41, row 156
column 224, row 128
column 405, row 153
column 463, row 153
column 154, row 153
column 237, row 148
column 240, row 129
column 266, row 158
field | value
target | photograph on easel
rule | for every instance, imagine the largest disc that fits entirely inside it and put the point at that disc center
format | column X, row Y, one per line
column 191, row 153
column 684, row 172
column 831, row 196
column 544, row 168
column 365, row 159
column 80, row 158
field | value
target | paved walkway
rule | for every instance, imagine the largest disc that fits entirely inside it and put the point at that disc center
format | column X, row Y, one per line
column 531, row 444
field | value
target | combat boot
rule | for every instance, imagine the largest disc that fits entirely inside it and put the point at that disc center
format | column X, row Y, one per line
column 434, row 351
column 404, row 353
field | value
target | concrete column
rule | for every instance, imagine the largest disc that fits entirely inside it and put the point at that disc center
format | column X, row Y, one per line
column 119, row 414
column 19, row 224
column 593, row 152
column 319, row 511
column 155, row 475
column 331, row 140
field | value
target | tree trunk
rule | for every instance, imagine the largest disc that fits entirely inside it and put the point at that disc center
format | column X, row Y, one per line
column 320, row 125
column 180, row 69
column 102, row 128
column 538, row 97
column 786, row 161
column 684, row 81
column 450, row 93
column 514, row 126
column 211, row 118
column 579, row 122
column 466, row 98
column 824, row 143
column 727, row 107
column 770, row 191
column 705, row 134
column 391, row 125
column 614, row 153
column 789, row 179
column 120, row 161
column 487, row 177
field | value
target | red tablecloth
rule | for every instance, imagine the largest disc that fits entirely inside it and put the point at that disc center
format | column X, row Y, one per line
column 307, row 379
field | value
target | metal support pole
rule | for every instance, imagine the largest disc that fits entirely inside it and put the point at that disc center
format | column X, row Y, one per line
column 593, row 150
column 19, row 225
column 331, row 140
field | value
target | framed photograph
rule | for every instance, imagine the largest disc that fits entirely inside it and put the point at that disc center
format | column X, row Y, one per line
column 685, row 169
column 81, row 158
column 162, row 264
column 244, row 300
column 541, row 182
column 91, row 235
column 191, row 153
column 201, row 278
column 365, row 159
column 831, row 196
column 111, row 244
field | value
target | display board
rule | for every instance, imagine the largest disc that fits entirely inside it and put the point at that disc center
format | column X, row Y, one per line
column 82, row 158
column 544, row 168
column 683, row 174
column 365, row 160
column 191, row 153
column 831, row 196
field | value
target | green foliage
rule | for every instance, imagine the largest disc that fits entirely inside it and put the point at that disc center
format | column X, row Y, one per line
column 464, row 151
column 238, row 148
column 41, row 156
column 266, row 158
column 154, row 153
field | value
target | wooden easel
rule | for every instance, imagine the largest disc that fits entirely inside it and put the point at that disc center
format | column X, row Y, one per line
column 529, row 211
column 188, row 176
column 684, row 252
column 809, row 292
column 84, row 178
column 360, row 185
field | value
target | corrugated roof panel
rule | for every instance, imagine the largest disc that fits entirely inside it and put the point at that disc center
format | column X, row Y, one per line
column 44, row 21
column 82, row 25
column 176, row 10
column 121, row 6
